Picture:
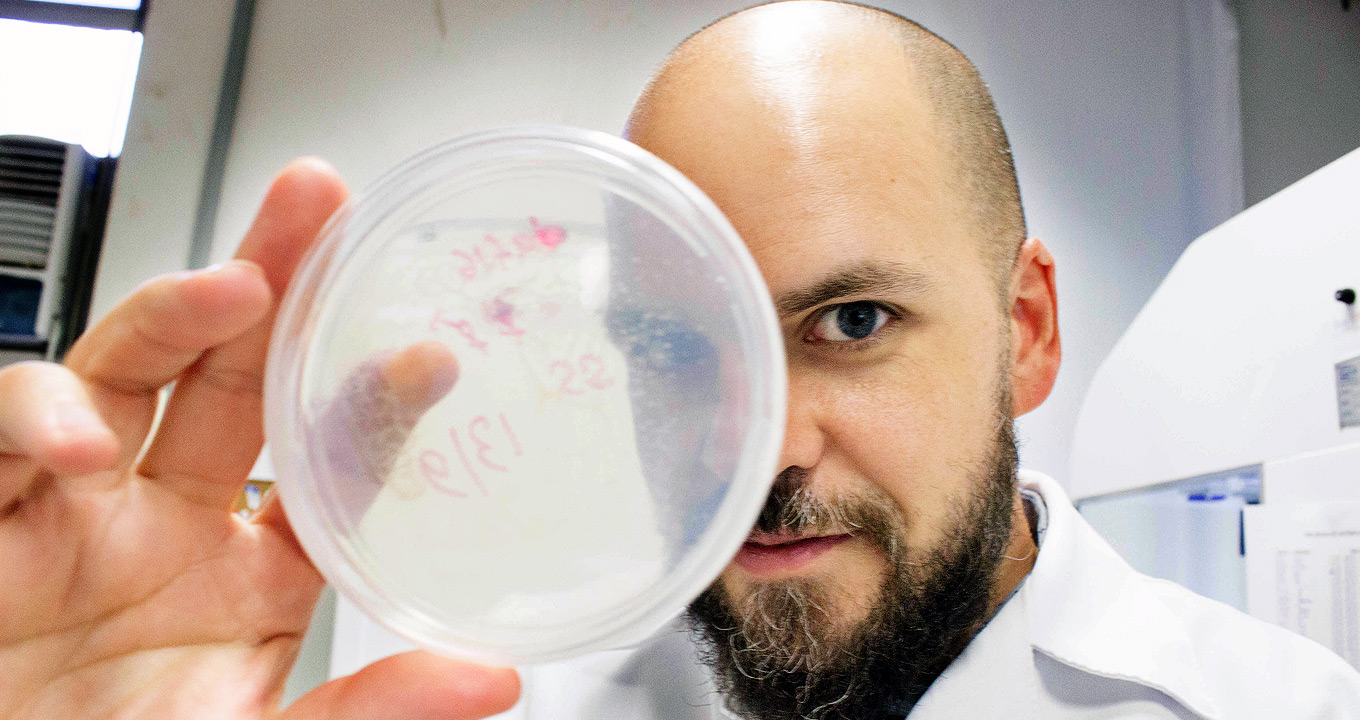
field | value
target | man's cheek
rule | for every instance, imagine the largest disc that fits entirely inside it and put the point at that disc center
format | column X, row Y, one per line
column 855, row 581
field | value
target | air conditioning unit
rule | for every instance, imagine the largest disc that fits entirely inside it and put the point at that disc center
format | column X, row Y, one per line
column 44, row 186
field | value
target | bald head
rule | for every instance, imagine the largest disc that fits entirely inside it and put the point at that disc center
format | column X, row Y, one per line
column 814, row 88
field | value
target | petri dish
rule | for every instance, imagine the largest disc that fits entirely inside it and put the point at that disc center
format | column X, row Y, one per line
column 616, row 418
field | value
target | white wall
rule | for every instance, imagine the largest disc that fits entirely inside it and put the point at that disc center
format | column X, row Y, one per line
column 1123, row 116
column 155, row 193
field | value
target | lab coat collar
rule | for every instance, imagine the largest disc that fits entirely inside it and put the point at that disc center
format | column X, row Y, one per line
column 994, row 677
column 1090, row 610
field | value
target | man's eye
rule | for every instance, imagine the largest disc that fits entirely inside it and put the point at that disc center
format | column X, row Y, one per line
column 850, row 322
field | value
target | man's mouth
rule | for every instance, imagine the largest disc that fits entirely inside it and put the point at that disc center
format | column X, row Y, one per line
column 769, row 554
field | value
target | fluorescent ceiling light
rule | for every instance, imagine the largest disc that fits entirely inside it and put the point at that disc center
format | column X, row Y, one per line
column 72, row 84
column 121, row 4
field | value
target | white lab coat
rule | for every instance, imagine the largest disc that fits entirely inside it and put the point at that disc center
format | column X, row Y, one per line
column 1085, row 636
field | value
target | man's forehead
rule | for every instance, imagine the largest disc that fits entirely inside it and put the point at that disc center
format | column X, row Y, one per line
column 792, row 81
column 809, row 125
column 780, row 118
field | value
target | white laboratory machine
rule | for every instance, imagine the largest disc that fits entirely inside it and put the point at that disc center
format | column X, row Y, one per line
column 1219, row 443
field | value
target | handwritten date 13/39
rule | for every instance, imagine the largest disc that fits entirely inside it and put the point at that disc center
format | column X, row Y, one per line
column 491, row 448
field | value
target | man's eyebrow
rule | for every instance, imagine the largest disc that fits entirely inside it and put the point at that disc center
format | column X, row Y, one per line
column 867, row 279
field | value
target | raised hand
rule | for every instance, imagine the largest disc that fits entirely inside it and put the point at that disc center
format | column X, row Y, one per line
column 127, row 589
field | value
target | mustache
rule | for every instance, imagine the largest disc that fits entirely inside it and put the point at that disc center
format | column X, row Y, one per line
column 793, row 507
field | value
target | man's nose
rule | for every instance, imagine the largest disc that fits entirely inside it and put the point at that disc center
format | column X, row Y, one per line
column 804, row 437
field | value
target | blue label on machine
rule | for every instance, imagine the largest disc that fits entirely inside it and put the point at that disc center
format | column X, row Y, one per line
column 1348, row 392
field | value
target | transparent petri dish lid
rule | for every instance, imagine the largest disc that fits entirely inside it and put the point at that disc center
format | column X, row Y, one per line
column 617, row 412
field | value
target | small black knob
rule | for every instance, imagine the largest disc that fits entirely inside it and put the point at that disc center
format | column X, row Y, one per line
column 1346, row 295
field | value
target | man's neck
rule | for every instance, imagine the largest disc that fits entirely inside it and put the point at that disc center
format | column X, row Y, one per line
column 1018, row 560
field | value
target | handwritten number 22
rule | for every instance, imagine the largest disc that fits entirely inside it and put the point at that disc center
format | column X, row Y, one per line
column 591, row 368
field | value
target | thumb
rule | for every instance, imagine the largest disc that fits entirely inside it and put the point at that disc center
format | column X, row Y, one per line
column 412, row 686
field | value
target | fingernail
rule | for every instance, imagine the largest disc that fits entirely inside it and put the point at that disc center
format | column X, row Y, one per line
column 77, row 419
column 236, row 264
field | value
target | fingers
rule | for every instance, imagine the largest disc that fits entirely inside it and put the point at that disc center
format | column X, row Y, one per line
column 421, row 375
column 301, row 199
column 412, row 686
column 46, row 416
column 151, row 337
column 384, row 400
column 212, row 430
column 364, row 430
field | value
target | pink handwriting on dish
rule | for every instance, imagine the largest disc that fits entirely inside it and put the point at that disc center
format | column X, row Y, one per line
column 491, row 253
column 499, row 313
column 492, row 447
column 461, row 326
column 588, row 372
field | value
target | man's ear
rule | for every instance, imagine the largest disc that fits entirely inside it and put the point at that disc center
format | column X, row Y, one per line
column 1036, row 349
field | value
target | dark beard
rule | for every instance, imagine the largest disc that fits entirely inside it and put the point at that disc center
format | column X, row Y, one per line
column 776, row 657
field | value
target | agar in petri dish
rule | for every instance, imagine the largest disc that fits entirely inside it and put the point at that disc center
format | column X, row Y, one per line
column 616, row 419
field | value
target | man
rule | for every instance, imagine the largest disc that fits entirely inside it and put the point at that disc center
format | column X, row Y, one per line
column 901, row 566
